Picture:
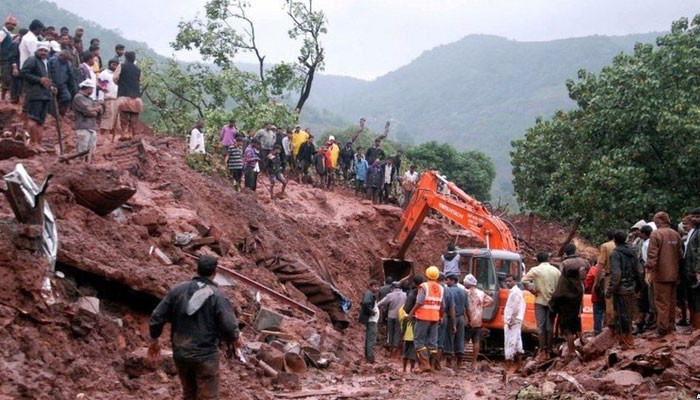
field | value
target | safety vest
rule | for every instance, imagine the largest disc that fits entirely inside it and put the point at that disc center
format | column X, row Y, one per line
column 430, row 310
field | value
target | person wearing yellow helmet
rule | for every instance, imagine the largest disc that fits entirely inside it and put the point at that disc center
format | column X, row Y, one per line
column 427, row 313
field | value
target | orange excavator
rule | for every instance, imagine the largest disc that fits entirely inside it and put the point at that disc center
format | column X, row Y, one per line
column 489, row 265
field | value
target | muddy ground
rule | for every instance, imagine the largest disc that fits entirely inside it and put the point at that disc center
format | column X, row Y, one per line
column 129, row 258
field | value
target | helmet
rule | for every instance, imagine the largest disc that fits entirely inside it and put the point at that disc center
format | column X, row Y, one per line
column 432, row 273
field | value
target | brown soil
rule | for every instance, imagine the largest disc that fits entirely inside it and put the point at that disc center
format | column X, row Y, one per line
column 61, row 352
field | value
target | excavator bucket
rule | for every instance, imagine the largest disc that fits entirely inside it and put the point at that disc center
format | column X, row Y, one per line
column 395, row 268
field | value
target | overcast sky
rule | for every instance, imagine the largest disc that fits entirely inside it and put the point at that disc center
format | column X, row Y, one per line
column 368, row 38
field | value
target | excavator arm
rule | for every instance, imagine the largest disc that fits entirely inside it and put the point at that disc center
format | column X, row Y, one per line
column 459, row 207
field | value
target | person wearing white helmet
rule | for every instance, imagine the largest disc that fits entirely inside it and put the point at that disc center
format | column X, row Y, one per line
column 86, row 111
column 477, row 300
column 427, row 313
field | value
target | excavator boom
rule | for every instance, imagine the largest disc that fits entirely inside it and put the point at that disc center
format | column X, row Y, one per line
column 455, row 205
column 489, row 266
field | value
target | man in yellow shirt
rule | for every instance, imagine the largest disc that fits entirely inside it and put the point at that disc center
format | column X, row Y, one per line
column 334, row 152
column 541, row 281
column 298, row 138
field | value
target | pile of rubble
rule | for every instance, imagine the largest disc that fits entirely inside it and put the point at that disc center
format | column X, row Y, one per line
column 667, row 368
column 131, row 225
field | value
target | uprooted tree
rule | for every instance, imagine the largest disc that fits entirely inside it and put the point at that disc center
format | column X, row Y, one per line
column 632, row 147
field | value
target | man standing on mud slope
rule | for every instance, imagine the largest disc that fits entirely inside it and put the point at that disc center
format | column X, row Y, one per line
column 663, row 259
column 200, row 315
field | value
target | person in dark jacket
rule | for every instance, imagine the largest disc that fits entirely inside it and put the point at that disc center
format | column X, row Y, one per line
column 347, row 155
column 200, row 317
column 38, row 90
column 663, row 259
column 374, row 181
column 369, row 316
column 307, row 150
column 322, row 165
column 16, row 85
column 61, row 74
column 128, row 77
column 375, row 153
column 623, row 271
column 567, row 299
column 691, row 260
column 5, row 48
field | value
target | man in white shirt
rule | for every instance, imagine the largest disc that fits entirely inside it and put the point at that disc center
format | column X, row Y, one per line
column 88, row 73
column 410, row 180
column 197, row 139
column 513, row 315
column 30, row 42
column 387, row 179
column 110, row 119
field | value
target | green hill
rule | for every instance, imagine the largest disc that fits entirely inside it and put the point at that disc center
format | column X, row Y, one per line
column 478, row 93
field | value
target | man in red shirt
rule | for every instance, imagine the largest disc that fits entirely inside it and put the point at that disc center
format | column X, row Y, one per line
column 598, row 301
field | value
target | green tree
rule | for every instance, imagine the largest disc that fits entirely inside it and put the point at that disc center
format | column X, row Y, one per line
column 180, row 95
column 472, row 171
column 632, row 147
column 226, row 30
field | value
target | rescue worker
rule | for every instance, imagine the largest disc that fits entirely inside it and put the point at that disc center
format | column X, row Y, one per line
column 427, row 314
column 201, row 316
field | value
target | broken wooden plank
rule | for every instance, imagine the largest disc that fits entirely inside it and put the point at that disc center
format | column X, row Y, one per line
column 267, row 290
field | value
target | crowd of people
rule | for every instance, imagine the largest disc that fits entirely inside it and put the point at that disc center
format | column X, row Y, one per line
column 429, row 318
column 278, row 152
column 53, row 73
column 646, row 279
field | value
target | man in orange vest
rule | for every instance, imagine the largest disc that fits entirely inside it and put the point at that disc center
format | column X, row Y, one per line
column 427, row 313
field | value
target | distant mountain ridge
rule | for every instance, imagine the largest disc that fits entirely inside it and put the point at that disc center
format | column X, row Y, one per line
column 480, row 92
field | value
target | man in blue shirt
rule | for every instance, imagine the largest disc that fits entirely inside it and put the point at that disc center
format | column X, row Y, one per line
column 456, row 310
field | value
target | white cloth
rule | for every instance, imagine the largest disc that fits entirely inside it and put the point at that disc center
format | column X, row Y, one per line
column 287, row 146
column 687, row 239
column 108, row 76
column 450, row 267
column 375, row 317
column 411, row 177
column 513, row 315
column 197, row 142
column 27, row 47
column 645, row 251
column 387, row 173
column 91, row 76
column 4, row 32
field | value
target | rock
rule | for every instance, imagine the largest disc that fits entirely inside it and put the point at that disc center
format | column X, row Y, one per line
column 599, row 345
column 161, row 257
column 624, row 378
column 548, row 388
column 268, row 319
column 315, row 341
column 294, row 363
column 272, row 357
column 15, row 148
column 89, row 303
column 254, row 346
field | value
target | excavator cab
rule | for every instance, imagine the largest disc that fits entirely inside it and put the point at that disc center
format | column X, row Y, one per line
column 490, row 268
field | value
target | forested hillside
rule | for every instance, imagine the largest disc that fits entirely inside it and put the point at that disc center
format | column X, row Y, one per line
column 478, row 93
